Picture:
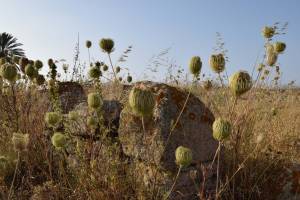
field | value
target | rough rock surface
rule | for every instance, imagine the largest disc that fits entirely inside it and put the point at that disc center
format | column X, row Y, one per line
column 70, row 94
column 287, row 185
column 153, row 163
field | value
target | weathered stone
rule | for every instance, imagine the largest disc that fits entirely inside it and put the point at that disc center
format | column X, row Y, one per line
column 287, row 185
column 111, row 114
column 70, row 95
column 150, row 147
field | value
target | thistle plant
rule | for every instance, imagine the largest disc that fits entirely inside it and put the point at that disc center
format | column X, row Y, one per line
column 217, row 63
column 40, row 79
column 279, row 47
column 95, row 100
column 52, row 119
column 59, row 140
column 183, row 156
column 221, row 129
column 195, row 66
column 268, row 32
column 240, row 82
column 141, row 101
column 38, row 64
column 9, row 72
column 30, row 71
column 92, row 122
column 129, row 79
column 95, row 72
column 107, row 46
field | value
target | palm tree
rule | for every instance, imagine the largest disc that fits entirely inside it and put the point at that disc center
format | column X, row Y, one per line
column 9, row 46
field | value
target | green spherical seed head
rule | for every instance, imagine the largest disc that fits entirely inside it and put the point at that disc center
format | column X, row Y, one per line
column 38, row 64
column 183, row 156
column 92, row 122
column 40, row 79
column 271, row 59
column 120, row 79
column 195, row 65
column 107, row 45
column 73, row 115
column 9, row 72
column 129, row 79
column 217, row 63
column 94, row 73
column 105, row 67
column 240, row 82
column 88, row 44
column 118, row 69
column 52, row 118
column 268, row 32
column 141, row 101
column 279, row 47
column 30, row 71
column 20, row 141
column 59, row 140
column 221, row 129
column 95, row 100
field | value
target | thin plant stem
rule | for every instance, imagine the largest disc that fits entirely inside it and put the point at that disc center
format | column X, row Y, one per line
column 14, row 178
column 112, row 67
column 174, row 183
column 143, row 124
column 218, row 169
column 89, row 56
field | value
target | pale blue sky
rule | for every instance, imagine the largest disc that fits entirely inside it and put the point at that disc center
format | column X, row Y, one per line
column 49, row 29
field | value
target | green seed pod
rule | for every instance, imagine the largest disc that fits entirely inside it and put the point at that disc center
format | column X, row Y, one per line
column 94, row 73
column 52, row 118
column 129, row 79
column 9, row 72
column 107, row 45
column 92, row 122
column 20, row 141
column 95, row 100
column 38, row 64
column 183, row 156
column 240, row 82
column 88, row 44
column 59, row 140
column 105, row 67
column 207, row 85
column 221, row 129
column 268, row 32
column 40, row 79
column 23, row 63
column 271, row 59
column 217, row 63
column 73, row 115
column 195, row 65
column 120, row 79
column 30, row 71
column 279, row 47
column 142, row 101
column 118, row 69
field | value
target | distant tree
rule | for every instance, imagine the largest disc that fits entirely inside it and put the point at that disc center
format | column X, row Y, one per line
column 9, row 46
